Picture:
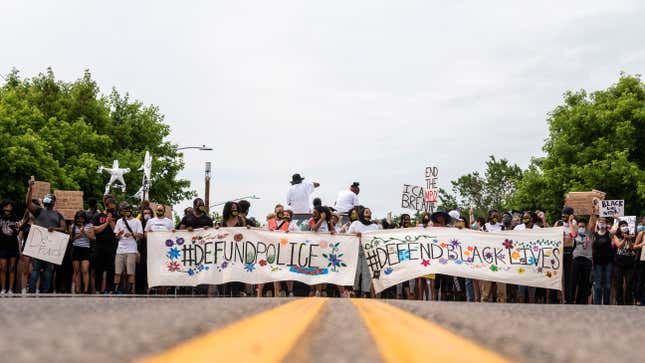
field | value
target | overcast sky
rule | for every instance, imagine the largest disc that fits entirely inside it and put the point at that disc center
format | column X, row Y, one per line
column 340, row 91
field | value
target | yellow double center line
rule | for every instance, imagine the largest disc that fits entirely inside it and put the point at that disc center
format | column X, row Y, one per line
column 399, row 335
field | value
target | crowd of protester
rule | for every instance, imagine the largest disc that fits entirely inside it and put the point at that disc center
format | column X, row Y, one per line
column 107, row 250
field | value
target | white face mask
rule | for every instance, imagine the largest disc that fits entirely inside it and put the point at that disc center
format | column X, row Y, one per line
column 625, row 229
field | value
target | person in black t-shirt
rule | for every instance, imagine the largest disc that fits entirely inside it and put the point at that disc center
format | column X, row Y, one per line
column 198, row 218
column 9, row 245
column 244, row 212
column 106, row 244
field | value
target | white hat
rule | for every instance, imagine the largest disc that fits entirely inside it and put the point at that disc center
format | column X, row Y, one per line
column 454, row 214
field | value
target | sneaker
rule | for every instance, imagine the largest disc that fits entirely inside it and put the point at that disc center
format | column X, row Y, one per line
column 23, row 291
column 3, row 291
column 10, row 292
column 283, row 293
column 317, row 293
column 290, row 293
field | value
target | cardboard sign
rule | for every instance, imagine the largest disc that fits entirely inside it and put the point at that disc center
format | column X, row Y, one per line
column 40, row 189
column 432, row 177
column 252, row 256
column 582, row 202
column 531, row 257
column 68, row 202
column 167, row 209
column 413, row 197
column 611, row 208
column 46, row 246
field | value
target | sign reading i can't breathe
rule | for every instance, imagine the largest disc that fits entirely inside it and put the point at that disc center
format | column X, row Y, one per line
column 413, row 197
column 611, row 208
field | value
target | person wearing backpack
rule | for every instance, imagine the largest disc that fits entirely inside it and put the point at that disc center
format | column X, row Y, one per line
column 127, row 230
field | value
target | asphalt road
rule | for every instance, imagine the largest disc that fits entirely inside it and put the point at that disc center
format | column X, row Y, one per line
column 110, row 329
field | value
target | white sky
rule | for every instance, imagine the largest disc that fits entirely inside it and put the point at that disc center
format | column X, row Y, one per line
column 340, row 91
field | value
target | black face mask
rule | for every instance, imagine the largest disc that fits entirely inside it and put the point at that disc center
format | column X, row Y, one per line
column 111, row 211
column 80, row 222
column 6, row 213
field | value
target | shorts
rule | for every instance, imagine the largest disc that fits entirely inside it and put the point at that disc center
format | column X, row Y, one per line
column 8, row 250
column 125, row 261
column 80, row 253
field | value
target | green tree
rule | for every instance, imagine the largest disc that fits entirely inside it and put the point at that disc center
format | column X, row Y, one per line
column 61, row 132
column 595, row 142
column 493, row 190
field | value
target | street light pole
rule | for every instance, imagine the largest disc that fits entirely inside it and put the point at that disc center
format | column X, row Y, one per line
column 207, row 185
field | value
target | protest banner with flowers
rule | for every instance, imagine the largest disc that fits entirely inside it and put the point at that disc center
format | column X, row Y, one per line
column 252, row 256
column 529, row 257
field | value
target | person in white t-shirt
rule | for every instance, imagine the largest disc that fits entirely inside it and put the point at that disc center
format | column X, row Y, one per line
column 299, row 194
column 347, row 199
column 529, row 221
column 159, row 223
column 362, row 282
column 493, row 225
column 128, row 230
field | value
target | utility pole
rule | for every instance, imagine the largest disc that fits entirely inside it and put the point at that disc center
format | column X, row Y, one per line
column 207, row 184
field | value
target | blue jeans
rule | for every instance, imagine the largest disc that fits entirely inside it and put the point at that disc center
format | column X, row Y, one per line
column 45, row 281
column 602, row 284
column 470, row 290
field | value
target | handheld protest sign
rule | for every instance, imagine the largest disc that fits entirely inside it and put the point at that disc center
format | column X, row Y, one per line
column 45, row 245
column 68, row 202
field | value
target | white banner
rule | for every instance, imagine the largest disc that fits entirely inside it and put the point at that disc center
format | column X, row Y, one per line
column 252, row 256
column 531, row 257
column 45, row 245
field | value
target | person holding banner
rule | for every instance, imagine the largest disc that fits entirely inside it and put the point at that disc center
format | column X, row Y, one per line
column 442, row 283
column 529, row 221
column 197, row 217
column 321, row 218
column 9, row 245
column 280, row 222
column 231, row 218
column 81, row 235
column 363, row 279
column 106, row 244
column 159, row 224
column 48, row 218
column 493, row 225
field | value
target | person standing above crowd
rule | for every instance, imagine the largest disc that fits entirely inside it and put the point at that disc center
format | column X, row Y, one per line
column 299, row 194
column 347, row 199
column 128, row 230
column 105, row 252
column 9, row 245
column 363, row 279
column 81, row 235
column 197, row 217
column 48, row 218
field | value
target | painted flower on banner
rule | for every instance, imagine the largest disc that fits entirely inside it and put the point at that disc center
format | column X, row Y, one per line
column 466, row 253
column 549, row 274
column 249, row 267
column 443, row 261
column 404, row 255
column 238, row 237
column 263, row 263
column 425, row 263
column 194, row 239
column 470, row 248
column 536, row 248
column 508, row 244
column 224, row 264
column 180, row 241
column 173, row 253
column 532, row 261
column 284, row 241
column 169, row 243
column 173, row 266
column 190, row 272
column 488, row 255
column 521, row 270
column 458, row 262
column 454, row 243
column 388, row 270
column 324, row 244
column 443, row 245
column 515, row 255
column 494, row 268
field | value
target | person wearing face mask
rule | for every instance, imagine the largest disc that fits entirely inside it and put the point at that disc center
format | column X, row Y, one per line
column 602, row 255
column 48, row 218
column 9, row 245
column 624, row 264
column 231, row 218
column 570, row 225
column 160, row 223
column 352, row 215
column 321, row 219
column 639, row 246
column 127, row 230
column 493, row 225
column 81, row 235
column 105, row 244
column 280, row 222
column 198, row 218
column 141, row 272
column 362, row 282
column 582, row 262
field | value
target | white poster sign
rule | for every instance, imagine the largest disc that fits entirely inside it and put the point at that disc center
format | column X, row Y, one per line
column 46, row 246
